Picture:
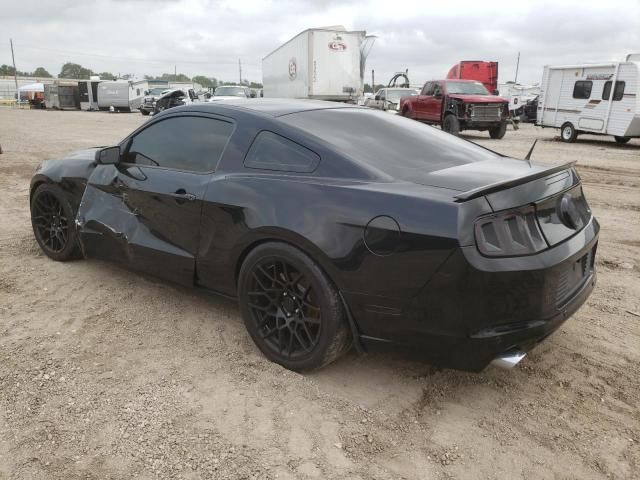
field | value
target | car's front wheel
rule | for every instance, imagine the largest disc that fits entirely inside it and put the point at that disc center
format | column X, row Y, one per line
column 52, row 219
column 622, row 140
column 144, row 112
column 451, row 124
column 498, row 131
column 291, row 309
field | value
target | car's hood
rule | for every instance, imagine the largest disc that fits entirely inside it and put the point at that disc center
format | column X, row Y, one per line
column 471, row 176
column 478, row 98
column 224, row 97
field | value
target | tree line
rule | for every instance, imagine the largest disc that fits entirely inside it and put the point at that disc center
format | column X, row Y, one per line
column 74, row 70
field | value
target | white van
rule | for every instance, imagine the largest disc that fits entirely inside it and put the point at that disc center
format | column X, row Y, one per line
column 592, row 98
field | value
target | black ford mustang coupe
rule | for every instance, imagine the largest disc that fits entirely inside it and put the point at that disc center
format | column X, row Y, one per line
column 333, row 225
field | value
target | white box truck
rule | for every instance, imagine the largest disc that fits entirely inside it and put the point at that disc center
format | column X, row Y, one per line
column 318, row 63
column 592, row 98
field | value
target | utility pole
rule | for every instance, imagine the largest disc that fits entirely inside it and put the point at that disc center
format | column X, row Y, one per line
column 15, row 72
column 373, row 80
column 175, row 73
column 517, row 67
column 240, row 70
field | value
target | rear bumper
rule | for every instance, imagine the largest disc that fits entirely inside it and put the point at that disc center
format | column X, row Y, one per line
column 472, row 312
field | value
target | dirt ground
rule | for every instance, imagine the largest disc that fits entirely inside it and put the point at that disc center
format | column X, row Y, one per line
column 105, row 374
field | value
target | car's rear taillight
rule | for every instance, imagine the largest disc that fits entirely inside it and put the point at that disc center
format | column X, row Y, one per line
column 509, row 233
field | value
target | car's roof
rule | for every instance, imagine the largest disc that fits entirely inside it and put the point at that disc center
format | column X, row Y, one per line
column 274, row 107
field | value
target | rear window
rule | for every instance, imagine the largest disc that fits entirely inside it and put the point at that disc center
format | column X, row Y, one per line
column 402, row 148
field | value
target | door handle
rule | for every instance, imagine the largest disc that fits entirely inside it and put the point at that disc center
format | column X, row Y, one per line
column 181, row 194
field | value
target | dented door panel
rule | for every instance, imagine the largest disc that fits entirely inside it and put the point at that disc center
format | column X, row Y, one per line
column 147, row 218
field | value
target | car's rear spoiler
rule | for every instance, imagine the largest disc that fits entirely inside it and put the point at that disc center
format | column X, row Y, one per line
column 503, row 185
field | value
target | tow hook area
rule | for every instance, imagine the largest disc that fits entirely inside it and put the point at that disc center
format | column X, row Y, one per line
column 509, row 359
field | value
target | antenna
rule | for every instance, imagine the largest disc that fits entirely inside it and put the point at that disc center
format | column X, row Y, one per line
column 528, row 157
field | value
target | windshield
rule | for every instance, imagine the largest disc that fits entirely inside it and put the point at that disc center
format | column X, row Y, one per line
column 394, row 94
column 157, row 91
column 400, row 147
column 230, row 91
column 466, row 88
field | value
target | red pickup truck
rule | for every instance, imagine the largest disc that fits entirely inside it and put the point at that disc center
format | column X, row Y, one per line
column 458, row 105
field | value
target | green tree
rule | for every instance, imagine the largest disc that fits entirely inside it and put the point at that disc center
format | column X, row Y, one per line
column 107, row 76
column 206, row 82
column 73, row 70
column 255, row 85
column 8, row 70
column 41, row 72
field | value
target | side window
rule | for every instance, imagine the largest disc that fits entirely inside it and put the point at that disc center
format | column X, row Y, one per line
column 437, row 89
column 270, row 151
column 428, row 89
column 618, row 92
column 182, row 143
column 582, row 89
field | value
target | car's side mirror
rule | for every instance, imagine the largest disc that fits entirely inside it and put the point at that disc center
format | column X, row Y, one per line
column 377, row 97
column 496, row 92
column 108, row 156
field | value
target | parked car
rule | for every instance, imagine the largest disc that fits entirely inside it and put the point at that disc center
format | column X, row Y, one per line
column 458, row 105
column 174, row 98
column 333, row 224
column 230, row 92
column 389, row 98
column 148, row 104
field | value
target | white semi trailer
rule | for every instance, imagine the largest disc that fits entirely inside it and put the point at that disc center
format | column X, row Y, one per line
column 318, row 63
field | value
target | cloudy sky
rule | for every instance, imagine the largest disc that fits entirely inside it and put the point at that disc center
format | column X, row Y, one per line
column 207, row 37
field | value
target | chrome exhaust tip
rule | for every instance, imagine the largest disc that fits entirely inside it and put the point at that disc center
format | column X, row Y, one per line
column 508, row 360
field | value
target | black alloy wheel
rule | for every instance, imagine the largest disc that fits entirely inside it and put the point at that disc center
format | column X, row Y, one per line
column 451, row 124
column 290, row 308
column 52, row 221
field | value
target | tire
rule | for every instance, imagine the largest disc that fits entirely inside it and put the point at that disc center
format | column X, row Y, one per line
column 451, row 125
column 568, row 133
column 499, row 131
column 53, row 223
column 622, row 140
column 144, row 112
column 291, row 309
column 405, row 112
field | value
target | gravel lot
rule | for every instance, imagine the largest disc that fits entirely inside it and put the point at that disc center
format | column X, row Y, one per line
column 106, row 374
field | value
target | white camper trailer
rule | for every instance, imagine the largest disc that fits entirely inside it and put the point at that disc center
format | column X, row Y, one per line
column 592, row 98
column 89, row 93
column 320, row 63
column 123, row 95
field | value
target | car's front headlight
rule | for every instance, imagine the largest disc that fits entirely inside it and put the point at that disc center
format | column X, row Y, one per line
column 510, row 233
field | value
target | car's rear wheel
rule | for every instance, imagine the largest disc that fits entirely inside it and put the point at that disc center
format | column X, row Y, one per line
column 622, row 140
column 290, row 308
column 499, row 131
column 451, row 125
column 52, row 219
column 144, row 112
column 568, row 133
